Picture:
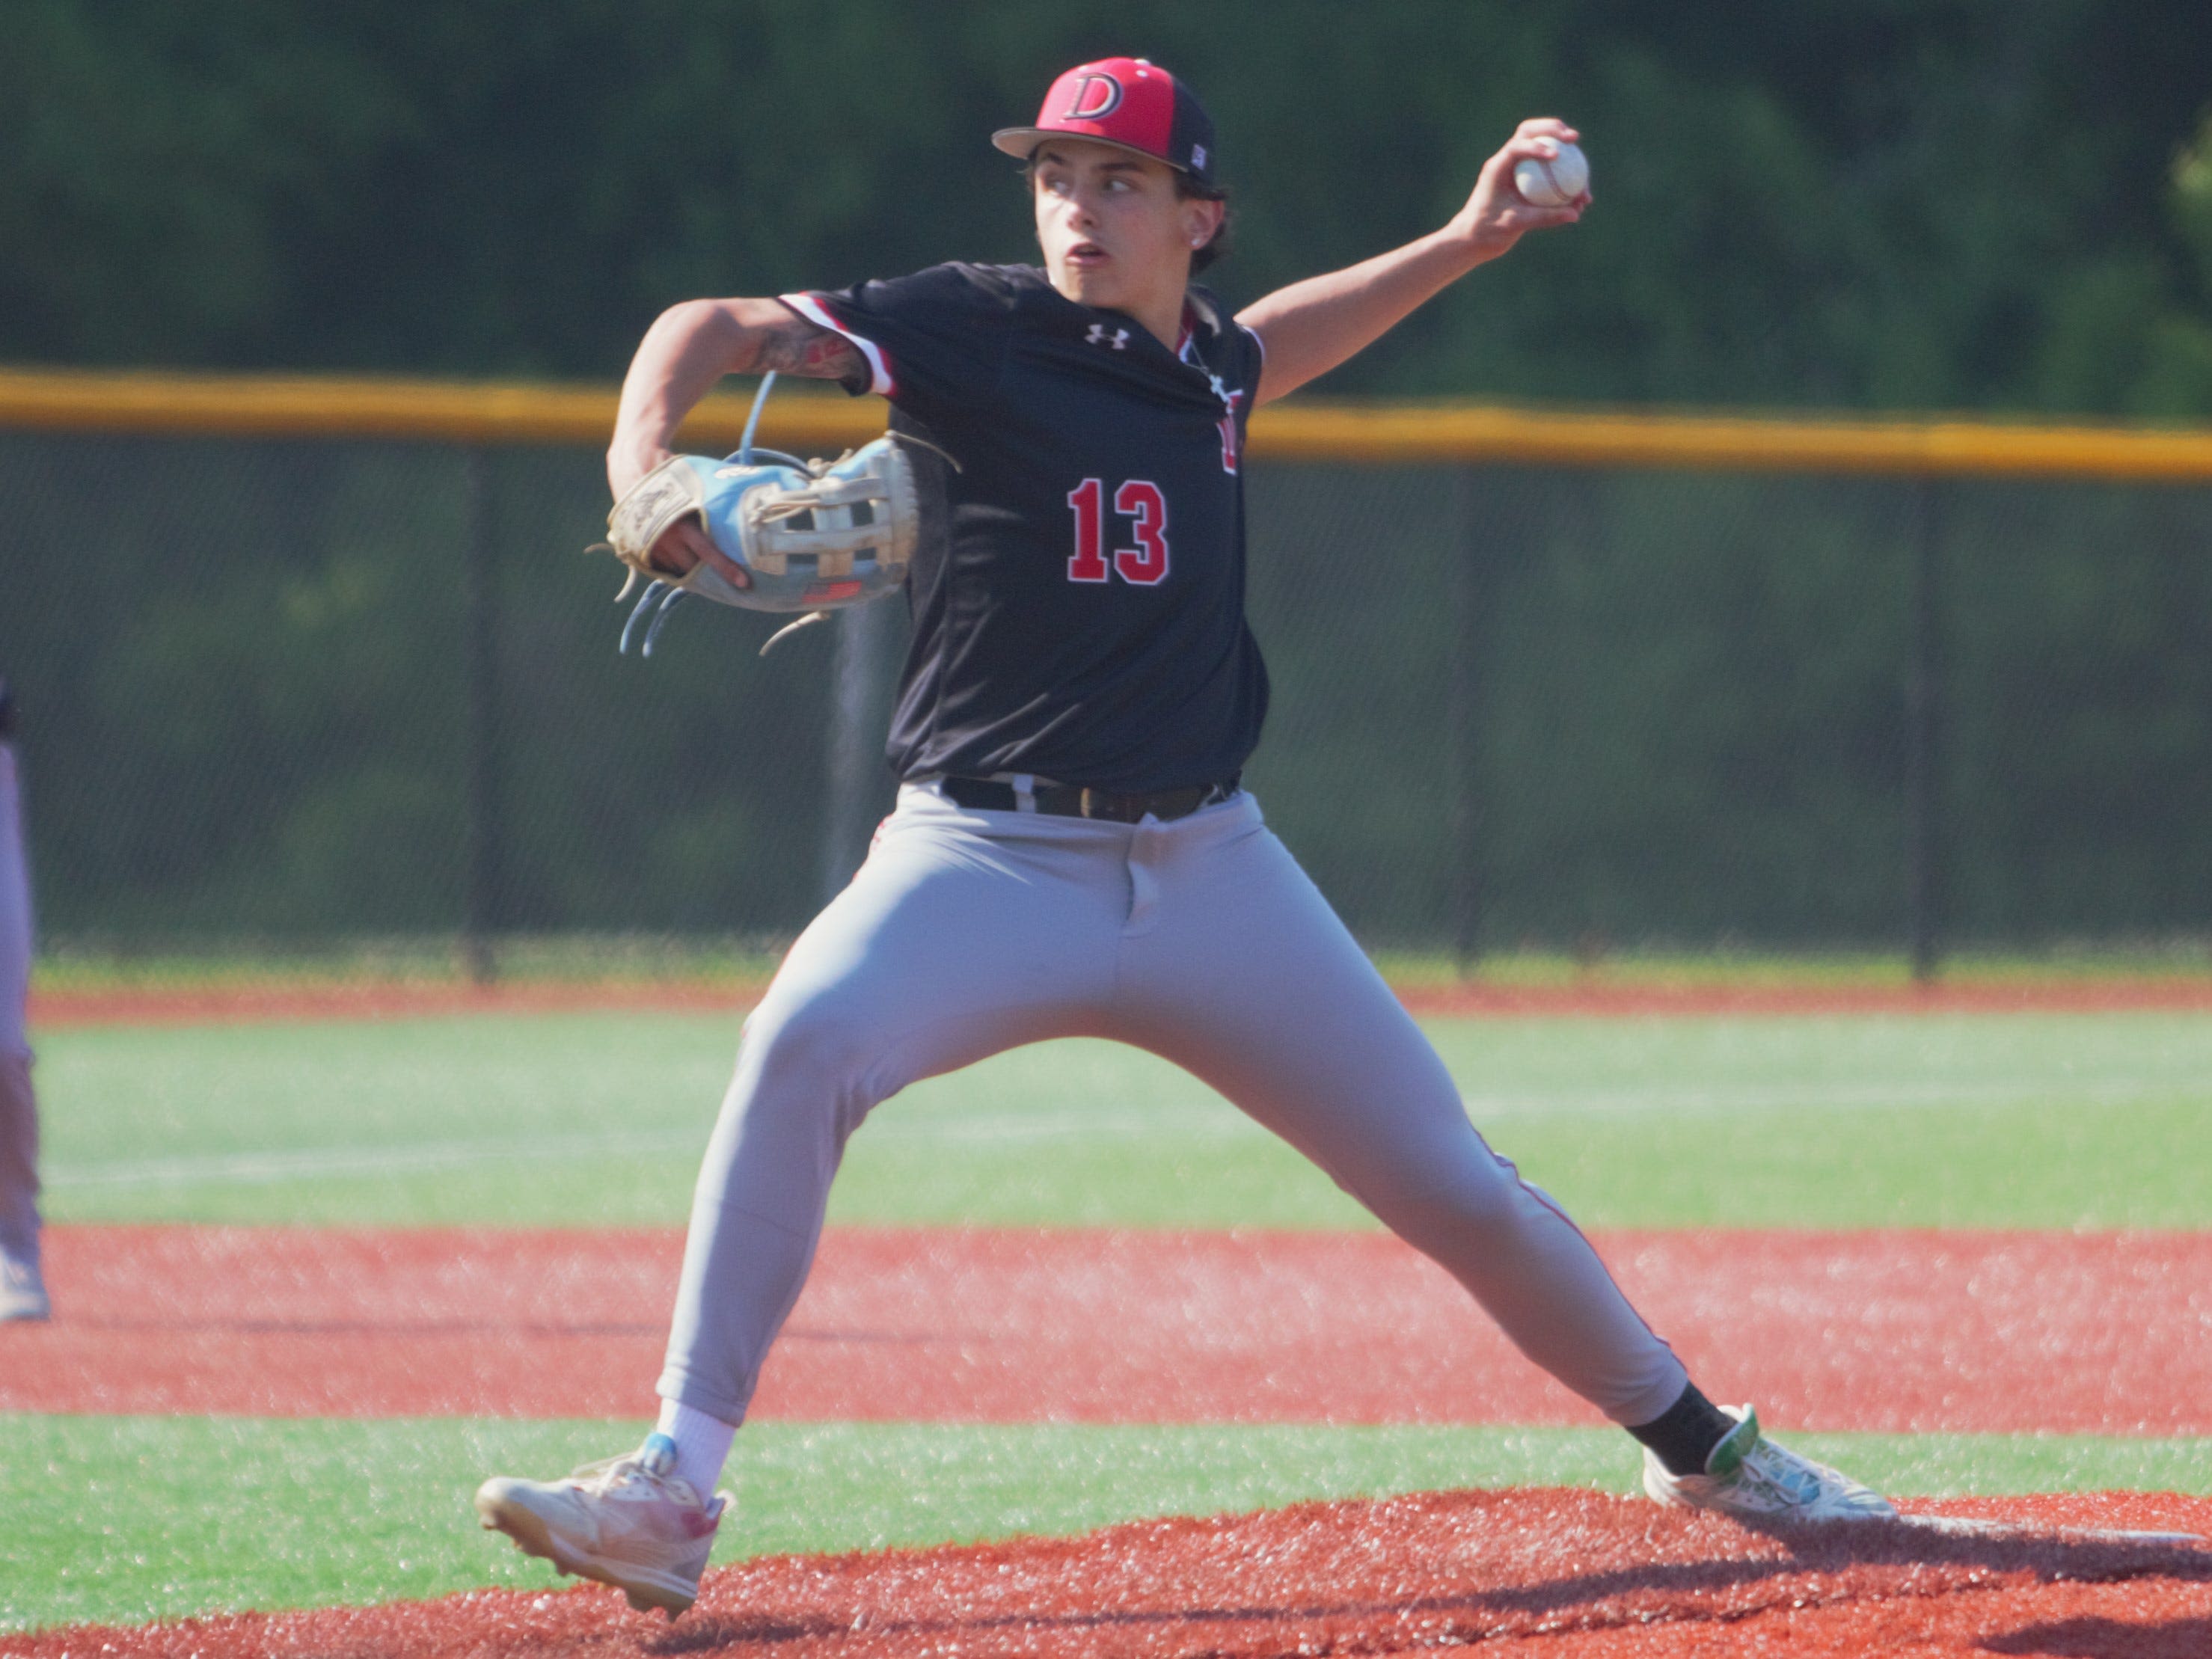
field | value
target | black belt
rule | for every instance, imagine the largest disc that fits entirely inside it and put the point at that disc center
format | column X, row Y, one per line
column 1069, row 800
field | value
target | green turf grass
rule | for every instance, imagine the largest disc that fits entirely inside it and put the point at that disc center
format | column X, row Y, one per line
column 124, row 1519
column 2012, row 1120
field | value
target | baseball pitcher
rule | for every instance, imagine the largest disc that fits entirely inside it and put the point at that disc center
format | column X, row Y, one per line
column 1072, row 852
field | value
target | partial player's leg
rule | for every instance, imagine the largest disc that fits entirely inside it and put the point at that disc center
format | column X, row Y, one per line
column 23, row 1287
column 949, row 945
column 1242, row 974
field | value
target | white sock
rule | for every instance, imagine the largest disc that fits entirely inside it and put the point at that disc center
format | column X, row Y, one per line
column 702, row 1445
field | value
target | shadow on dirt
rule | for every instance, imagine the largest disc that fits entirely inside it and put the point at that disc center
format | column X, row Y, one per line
column 1844, row 1563
column 2108, row 1638
column 1843, row 1551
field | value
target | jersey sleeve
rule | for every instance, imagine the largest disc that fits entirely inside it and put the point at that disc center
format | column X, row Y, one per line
column 936, row 338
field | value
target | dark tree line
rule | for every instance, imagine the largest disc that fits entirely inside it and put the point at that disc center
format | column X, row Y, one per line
column 1881, row 203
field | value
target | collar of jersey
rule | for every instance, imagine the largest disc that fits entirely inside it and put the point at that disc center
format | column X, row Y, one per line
column 1199, row 311
column 1195, row 312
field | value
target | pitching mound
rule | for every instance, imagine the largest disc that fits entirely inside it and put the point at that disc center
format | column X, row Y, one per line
column 1582, row 1573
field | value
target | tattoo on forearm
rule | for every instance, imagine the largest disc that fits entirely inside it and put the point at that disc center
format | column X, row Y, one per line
column 805, row 349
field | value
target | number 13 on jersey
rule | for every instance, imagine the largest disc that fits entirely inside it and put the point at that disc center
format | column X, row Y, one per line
column 1138, row 500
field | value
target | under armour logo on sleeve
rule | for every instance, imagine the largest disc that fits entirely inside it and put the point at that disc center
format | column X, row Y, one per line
column 1119, row 339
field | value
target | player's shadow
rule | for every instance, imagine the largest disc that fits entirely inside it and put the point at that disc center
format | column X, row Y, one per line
column 1838, row 1548
column 2107, row 1639
column 1922, row 1541
column 1473, row 1616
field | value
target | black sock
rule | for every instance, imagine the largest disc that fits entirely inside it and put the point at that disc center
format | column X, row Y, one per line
column 1684, row 1435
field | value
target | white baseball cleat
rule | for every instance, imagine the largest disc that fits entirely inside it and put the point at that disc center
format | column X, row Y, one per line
column 628, row 1521
column 1752, row 1479
column 22, row 1291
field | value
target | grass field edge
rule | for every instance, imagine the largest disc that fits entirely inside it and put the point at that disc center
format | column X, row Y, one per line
column 113, row 1522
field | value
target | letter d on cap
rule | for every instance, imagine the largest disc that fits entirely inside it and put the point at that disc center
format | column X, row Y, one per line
column 1096, row 96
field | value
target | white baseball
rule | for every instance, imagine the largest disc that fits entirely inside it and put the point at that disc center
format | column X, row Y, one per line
column 1554, row 183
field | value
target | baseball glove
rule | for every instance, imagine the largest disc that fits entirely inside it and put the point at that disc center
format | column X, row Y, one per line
column 813, row 536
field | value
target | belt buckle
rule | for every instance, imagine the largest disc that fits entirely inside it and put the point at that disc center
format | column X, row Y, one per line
column 1100, row 803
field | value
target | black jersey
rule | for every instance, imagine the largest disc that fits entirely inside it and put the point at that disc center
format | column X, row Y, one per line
column 1078, row 590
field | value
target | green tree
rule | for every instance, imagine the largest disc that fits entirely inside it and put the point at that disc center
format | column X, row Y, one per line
column 1869, row 203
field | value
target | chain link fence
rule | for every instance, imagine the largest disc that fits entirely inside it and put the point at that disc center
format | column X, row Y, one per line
column 294, row 692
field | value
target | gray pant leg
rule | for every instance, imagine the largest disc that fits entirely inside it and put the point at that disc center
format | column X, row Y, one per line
column 948, row 947
column 19, row 1159
column 1201, row 941
column 19, row 1106
column 1246, row 977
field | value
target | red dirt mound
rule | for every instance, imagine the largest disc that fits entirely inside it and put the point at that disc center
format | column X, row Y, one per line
column 2073, row 1333
column 1583, row 1574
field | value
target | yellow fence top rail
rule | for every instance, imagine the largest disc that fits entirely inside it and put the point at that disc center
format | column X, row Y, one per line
column 451, row 411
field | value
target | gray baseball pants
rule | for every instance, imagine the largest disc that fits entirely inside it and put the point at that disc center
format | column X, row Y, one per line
column 18, row 1107
column 969, row 932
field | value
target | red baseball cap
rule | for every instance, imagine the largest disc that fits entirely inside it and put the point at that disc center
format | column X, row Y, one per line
column 1128, row 102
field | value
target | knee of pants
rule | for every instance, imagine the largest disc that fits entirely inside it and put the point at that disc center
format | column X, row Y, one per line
column 814, row 1059
column 814, row 1041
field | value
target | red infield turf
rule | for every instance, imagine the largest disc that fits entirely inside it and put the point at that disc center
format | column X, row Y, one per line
column 1902, row 1331
column 1570, row 1575
column 1595, row 995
